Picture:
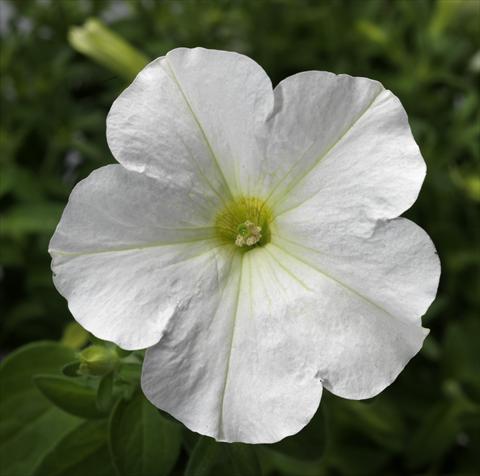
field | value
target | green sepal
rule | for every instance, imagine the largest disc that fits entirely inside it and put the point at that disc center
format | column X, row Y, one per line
column 105, row 393
column 130, row 372
column 76, row 396
column 74, row 336
column 71, row 369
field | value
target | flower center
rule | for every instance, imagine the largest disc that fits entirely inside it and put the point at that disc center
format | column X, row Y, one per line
column 244, row 222
column 249, row 234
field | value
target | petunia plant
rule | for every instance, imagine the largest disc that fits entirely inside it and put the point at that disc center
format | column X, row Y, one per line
column 249, row 238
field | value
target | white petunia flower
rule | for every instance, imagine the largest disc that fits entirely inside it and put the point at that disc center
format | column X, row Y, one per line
column 250, row 238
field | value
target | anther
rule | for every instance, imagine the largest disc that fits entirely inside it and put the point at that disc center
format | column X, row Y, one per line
column 249, row 234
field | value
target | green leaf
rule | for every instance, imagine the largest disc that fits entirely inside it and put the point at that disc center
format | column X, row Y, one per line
column 32, row 218
column 74, row 395
column 206, row 455
column 461, row 352
column 363, row 436
column 378, row 420
column 358, row 459
column 83, row 451
column 308, row 444
column 29, row 424
column 189, row 438
column 210, row 457
column 301, row 453
column 244, row 459
column 435, row 435
column 142, row 443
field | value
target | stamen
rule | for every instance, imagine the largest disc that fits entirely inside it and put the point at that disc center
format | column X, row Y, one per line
column 249, row 234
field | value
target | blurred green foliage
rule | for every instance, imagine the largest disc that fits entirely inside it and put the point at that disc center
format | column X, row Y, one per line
column 54, row 101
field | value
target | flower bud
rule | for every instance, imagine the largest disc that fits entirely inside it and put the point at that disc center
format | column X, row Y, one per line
column 97, row 360
column 97, row 41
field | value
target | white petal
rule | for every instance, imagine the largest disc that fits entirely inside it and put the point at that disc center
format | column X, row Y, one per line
column 243, row 370
column 342, row 145
column 129, row 251
column 395, row 265
column 354, row 165
column 192, row 110
column 371, row 293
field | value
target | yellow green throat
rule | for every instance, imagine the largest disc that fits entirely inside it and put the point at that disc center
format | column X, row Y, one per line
column 245, row 223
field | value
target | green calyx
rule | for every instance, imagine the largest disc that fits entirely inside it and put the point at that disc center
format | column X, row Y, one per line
column 245, row 223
